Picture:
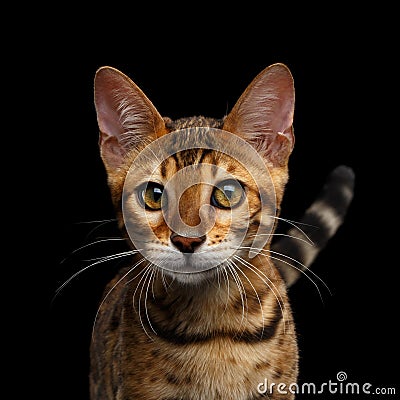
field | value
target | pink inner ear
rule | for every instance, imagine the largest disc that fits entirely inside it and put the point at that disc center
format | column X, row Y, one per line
column 282, row 106
column 125, row 116
column 111, row 151
column 107, row 83
column 109, row 123
column 266, row 110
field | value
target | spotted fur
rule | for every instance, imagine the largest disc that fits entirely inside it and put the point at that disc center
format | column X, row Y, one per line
column 217, row 334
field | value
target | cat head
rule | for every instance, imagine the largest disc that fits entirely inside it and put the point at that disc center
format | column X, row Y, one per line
column 192, row 193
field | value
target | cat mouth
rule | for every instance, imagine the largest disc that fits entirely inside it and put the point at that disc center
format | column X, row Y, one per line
column 190, row 263
column 198, row 263
column 191, row 274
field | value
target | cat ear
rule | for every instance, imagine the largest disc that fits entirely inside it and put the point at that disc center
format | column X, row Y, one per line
column 126, row 117
column 263, row 115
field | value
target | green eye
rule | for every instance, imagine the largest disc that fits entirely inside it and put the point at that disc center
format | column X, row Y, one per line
column 151, row 195
column 227, row 194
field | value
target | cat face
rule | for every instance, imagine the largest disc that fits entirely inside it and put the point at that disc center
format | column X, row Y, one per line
column 194, row 211
column 189, row 195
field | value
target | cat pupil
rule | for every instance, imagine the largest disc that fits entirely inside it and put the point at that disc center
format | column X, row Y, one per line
column 150, row 196
column 157, row 193
column 227, row 194
column 229, row 191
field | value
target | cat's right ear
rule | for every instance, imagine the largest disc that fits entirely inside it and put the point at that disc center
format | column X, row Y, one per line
column 125, row 116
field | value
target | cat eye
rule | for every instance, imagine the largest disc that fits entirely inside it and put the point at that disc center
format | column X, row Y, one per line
column 150, row 195
column 227, row 194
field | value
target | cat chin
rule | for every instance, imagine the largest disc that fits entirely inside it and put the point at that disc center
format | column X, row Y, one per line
column 178, row 263
column 194, row 278
column 191, row 269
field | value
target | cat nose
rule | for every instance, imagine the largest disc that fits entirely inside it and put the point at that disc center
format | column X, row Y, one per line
column 186, row 244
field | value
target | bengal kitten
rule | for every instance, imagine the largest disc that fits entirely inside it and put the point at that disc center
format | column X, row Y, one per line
column 200, row 309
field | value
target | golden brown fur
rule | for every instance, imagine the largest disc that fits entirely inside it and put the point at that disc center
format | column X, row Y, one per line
column 222, row 332
column 202, row 350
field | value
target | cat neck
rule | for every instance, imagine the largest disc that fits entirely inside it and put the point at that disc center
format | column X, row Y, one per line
column 227, row 304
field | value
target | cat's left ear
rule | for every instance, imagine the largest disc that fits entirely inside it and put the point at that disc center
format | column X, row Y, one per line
column 263, row 115
column 126, row 117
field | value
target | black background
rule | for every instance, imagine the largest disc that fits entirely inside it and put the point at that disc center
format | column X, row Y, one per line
column 341, row 117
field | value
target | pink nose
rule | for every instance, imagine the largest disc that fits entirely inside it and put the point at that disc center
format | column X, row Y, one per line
column 186, row 244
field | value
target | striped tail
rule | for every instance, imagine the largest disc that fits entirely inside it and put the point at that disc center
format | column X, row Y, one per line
column 319, row 223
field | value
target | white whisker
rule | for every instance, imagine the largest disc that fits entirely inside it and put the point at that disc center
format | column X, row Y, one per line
column 99, row 261
column 145, row 269
column 146, row 273
column 157, row 272
column 303, row 269
column 223, row 269
column 267, row 253
column 239, row 284
column 151, row 279
column 258, row 298
column 295, row 225
column 90, row 244
column 113, row 287
column 100, row 224
column 163, row 280
column 101, row 221
column 283, row 234
column 273, row 289
column 264, row 277
column 218, row 271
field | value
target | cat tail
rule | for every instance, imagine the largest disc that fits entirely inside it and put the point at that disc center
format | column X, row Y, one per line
column 298, row 250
